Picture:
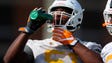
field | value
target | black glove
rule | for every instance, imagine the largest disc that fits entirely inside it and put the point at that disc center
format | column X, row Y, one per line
column 36, row 19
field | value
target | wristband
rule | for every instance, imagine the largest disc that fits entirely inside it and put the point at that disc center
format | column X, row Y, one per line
column 26, row 30
column 71, row 45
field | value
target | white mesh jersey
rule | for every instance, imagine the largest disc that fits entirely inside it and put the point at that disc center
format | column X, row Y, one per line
column 106, row 53
column 50, row 51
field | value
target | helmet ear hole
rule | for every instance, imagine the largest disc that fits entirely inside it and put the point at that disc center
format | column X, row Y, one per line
column 73, row 13
column 79, row 19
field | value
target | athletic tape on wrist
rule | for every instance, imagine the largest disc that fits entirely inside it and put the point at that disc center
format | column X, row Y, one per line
column 73, row 43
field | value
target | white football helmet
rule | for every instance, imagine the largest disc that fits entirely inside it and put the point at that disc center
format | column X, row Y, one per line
column 108, row 16
column 75, row 18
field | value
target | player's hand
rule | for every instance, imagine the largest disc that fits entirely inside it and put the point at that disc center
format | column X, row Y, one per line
column 36, row 19
column 63, row 36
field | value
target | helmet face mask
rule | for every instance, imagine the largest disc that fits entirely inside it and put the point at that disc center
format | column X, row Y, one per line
column 108, row 16
column 108, row 23
column 60, row 17
column 70, row 17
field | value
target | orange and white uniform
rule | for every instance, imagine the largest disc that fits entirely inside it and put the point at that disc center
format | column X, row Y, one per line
column 106, row 53
column 50, row 51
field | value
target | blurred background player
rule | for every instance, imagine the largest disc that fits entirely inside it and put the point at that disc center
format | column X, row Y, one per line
column 107, row 50
column 62, row 47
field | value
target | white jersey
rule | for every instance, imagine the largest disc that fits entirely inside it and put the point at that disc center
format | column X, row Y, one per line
column 106, row 53
column 50, row 51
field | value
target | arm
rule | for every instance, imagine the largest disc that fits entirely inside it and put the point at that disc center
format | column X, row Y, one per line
column 15, row 51
column 87, row 55
column 66, row 38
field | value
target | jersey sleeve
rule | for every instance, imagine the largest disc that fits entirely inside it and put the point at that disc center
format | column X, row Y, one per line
column 106, row 53
column 93, row 46
column 29, row 53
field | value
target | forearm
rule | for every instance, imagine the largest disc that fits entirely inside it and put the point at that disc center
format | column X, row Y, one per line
column 16, row 47
column 86, row 55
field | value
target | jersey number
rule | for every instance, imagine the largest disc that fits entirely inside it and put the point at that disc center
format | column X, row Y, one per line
column 53, row 56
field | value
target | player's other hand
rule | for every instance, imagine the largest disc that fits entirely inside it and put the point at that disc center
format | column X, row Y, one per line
column 63, row 36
